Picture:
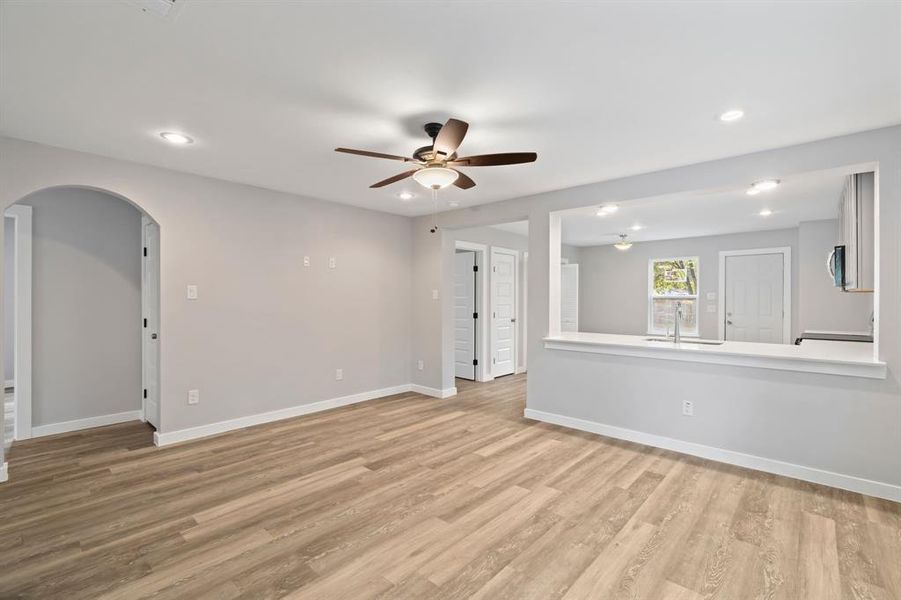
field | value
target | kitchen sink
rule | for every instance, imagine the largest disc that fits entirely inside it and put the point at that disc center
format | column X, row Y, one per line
column 686, row 341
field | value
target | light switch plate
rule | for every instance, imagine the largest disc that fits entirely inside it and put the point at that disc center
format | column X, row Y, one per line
column 193, row 396
column 192, row 292
column 306, row 261
column 419, row 365
column 688, row 408
column 711, row 295
column 434, row 294
column 339, row 374
column 711, row 308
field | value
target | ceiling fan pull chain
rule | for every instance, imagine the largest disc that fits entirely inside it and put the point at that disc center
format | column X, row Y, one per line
column 434, row 227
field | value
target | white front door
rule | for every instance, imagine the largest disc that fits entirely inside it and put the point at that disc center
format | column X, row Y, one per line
column 754, row 298
column 569, row 297
column 464, row 308
column 503, row 312
column 150, row 307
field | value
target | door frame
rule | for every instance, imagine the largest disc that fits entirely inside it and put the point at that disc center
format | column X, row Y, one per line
column 515, row 254
column 786, row 253
column 483, row 350
column 523, row 318
column 145, row 310
column 22, row 217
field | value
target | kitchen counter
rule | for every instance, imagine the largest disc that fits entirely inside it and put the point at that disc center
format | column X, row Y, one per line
column 850, row 359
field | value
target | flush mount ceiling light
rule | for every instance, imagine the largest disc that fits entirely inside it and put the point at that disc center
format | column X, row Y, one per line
column 637, row 227
column 765, row 212
column 623, row 243
column 173, row 137
column 732, row 115
column 763, row 185
column 405, row 196
column 435, row 178
column 607, row 209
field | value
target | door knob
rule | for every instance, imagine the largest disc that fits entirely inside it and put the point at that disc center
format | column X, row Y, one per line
column 152, row 336
column 513, row 320
column 728, row 322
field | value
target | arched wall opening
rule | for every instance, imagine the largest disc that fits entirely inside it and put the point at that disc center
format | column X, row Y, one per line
column 83, row 309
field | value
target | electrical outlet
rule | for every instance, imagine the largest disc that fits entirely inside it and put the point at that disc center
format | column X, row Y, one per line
column 339, row 374
column 193, row 396
column 688, row 408
column 419, row 365
column 192, row 292
column 306, row 261
column 434, row 294
column 332, row 262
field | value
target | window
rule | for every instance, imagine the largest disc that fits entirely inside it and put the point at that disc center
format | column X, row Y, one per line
column 672, row 281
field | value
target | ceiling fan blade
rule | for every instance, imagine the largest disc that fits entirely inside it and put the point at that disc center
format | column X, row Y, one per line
column 463, row 181
column 391, row 180
column 492, row 160
column 374, row 154
column 450, row 137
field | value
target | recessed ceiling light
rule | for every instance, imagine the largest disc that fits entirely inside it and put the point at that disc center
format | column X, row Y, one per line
column 765, row 184
column 732, row 115
column 173, row 137
column 453, row 204
column 405, row 196
column 636, row 227
column 765, row 212
column 753, row 191
column 607, row 209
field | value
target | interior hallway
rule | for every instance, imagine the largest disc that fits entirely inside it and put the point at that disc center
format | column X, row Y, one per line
column 413, row 497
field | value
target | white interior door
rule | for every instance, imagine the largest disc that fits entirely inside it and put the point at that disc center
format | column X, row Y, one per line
column 754, row 298
column 464, row 308
column 569, row 297
column 503, row 312
column 150, row 307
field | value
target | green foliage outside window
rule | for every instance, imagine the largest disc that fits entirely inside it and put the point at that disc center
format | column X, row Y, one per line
column 676, row 277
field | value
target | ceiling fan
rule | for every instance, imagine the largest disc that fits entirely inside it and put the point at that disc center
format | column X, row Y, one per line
column 436, row 165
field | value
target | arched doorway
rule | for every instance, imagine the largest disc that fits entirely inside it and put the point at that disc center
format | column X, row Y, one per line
column 93, row 317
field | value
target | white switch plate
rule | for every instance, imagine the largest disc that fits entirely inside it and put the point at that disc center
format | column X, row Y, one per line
column 192, row 292
column 306, row 261
column 193, row 396
column 434, row 294
column 419, row 365
column 711, row 295
column 332, row 263
column 688, row 408
column 711, row 308
column 339, row 374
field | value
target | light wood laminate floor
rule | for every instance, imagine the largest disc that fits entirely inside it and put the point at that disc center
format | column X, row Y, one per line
column 412, row 497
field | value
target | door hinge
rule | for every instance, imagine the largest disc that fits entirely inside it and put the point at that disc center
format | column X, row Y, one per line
column 145, row 392
column 493, row 361
column 145, row 250
column 475, row 362
column 145, row 322
column 475, row 315
column 475, row 268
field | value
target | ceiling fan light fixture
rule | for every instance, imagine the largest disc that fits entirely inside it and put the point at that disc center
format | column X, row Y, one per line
column 623, row 243
column 435, row 178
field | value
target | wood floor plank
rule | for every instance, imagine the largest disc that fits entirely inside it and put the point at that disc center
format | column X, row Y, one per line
column 410, row 497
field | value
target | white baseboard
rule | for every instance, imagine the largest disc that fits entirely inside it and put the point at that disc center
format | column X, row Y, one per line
column 4, row 472
column 750, row 461
column 193, row 433
column 67, row 426
column 434, row 392
column 519, row 370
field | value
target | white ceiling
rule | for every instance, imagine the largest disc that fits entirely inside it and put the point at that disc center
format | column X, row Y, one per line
column 599, row 90
column 808, row 197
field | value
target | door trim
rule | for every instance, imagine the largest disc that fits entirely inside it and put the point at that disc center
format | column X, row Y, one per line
column 22, row 215
column 515, row 254
column 786, row 253
column 483, row 350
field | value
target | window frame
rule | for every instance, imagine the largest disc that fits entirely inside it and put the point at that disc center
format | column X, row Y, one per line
column 653, row 296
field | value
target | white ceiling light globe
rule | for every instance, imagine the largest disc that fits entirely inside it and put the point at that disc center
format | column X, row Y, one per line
column 435, row 178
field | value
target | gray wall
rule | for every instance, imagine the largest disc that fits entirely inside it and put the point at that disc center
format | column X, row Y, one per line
column 822, row 306
column 86, row 305
column 838, row 424
column 613, row 284
column 266, row 333
column 9, row 263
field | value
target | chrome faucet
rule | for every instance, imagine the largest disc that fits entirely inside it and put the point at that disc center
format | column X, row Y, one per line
column 677, row 317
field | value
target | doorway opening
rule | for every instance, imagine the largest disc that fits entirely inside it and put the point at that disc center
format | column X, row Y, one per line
column 81, row 302
column 489, row 301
